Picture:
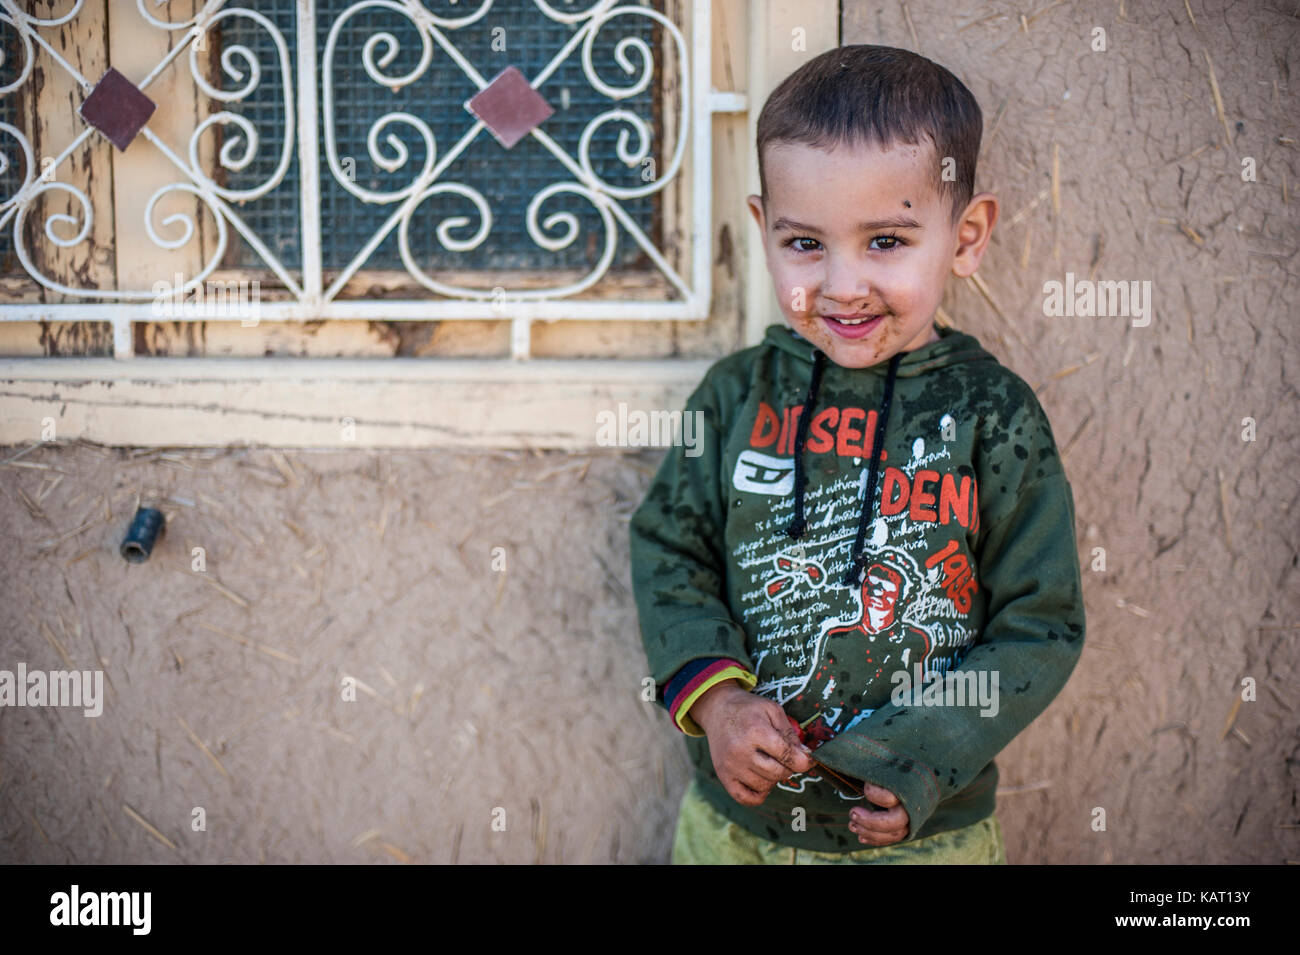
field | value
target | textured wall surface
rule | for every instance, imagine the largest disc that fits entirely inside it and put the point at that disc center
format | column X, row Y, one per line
column 1120, row 164
column 480, row 602
column 515, row 687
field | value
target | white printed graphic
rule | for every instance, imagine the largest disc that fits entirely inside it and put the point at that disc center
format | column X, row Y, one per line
column 762, row 474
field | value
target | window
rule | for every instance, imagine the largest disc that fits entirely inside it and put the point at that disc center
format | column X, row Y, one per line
column 504, row 162
column 68, row 339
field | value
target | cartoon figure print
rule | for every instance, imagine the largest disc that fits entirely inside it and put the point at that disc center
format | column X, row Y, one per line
column 792, row 572
column 889, row 587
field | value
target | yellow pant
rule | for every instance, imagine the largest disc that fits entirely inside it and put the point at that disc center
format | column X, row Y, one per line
column 706, row 837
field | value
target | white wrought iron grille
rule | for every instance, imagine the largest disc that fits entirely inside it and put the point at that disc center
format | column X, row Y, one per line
column 345, row 145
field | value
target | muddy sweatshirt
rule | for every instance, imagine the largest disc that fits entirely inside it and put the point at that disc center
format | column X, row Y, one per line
column 886, row 552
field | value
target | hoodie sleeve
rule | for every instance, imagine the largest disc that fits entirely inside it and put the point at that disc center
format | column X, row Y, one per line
column 679, row 570
column 694, row 680
column 1031, row 639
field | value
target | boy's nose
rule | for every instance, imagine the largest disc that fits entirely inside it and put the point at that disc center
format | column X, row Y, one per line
column 845, row 288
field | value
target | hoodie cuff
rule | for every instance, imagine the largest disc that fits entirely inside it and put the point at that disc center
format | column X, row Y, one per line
column 914, row 783
column 694, row 680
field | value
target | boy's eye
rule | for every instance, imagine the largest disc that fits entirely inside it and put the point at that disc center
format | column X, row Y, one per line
column 881, row 243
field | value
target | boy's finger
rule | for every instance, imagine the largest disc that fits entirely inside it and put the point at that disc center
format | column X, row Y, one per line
column 748, row 789
column 877, row 839
column 743, row 794
column 892, row 832
column 879, row 795
column 769, row 768
column 786, row 749
column 881, row 821
column 782, row 743
column 864, row 830
column 755, row 783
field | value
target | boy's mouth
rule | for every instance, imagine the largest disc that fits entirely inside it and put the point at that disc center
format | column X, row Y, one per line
column 853, row 326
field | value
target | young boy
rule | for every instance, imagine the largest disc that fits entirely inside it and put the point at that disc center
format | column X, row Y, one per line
column 867, row 583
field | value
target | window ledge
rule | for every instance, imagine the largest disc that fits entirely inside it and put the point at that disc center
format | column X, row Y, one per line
column 332, row 403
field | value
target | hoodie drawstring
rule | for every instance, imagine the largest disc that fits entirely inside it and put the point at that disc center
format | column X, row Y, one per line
column 857, row 558
column 799, row 524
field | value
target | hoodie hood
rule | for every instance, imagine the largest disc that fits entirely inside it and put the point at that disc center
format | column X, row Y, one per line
column 951, row 348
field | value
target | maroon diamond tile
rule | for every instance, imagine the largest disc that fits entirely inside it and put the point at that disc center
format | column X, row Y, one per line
column 509, row 107
column 117, row 108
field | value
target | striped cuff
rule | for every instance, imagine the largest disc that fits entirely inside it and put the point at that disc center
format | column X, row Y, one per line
column 693, row 681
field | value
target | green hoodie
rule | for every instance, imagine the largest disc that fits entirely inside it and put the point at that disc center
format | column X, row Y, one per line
column 966, row 566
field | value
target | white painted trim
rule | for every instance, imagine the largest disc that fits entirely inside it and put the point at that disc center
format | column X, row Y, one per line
column 57, row 370
column 308, row 154
column 277, row 402
column 691, row 309
column 700, row 174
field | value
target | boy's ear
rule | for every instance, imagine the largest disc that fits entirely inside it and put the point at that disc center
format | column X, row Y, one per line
column 973, row 232
column 756, row 209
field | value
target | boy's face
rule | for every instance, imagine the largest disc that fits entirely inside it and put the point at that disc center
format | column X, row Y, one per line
column 864, row 234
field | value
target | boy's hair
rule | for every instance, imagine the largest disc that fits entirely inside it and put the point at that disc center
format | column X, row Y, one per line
column 877, row 95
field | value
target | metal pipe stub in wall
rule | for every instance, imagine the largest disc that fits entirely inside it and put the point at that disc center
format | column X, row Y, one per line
column 147, row 524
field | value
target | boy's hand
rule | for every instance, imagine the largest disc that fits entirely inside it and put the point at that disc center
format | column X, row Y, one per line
column 883, row 826
column 751, row 741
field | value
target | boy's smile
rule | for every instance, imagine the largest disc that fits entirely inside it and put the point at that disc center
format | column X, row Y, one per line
column 859, row 241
